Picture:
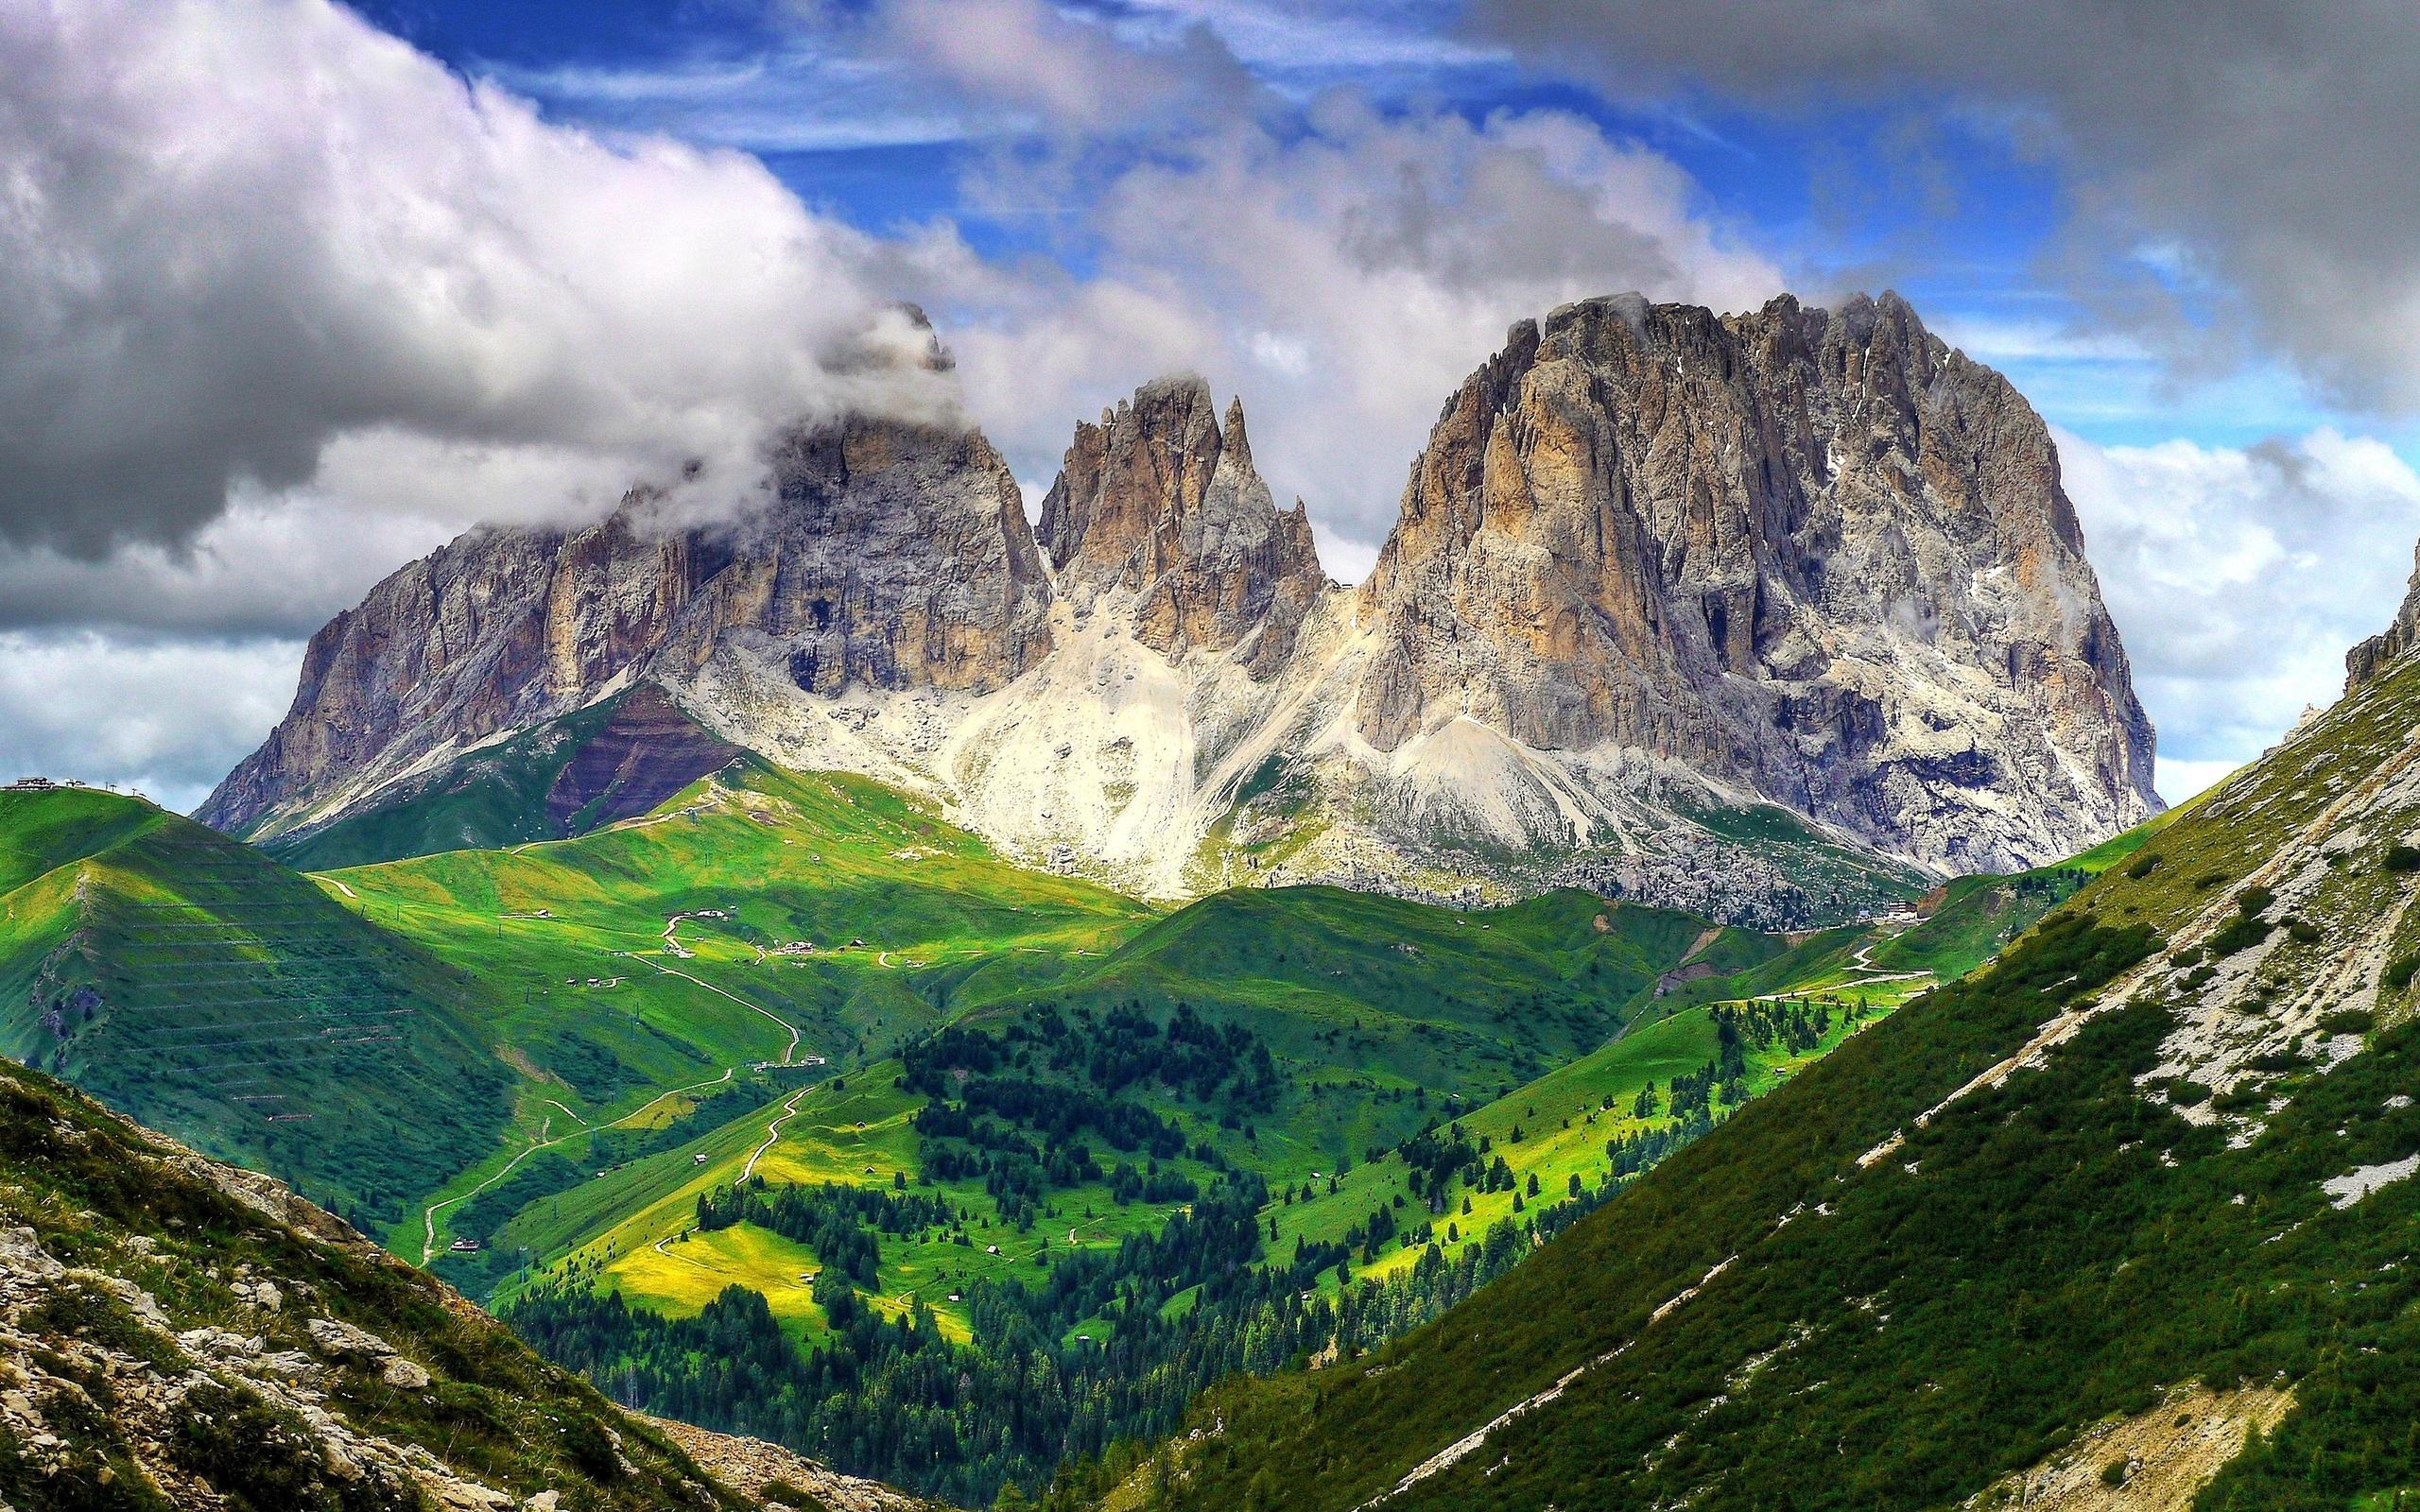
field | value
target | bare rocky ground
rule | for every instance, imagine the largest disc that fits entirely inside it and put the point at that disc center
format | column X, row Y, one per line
column 180, row 1333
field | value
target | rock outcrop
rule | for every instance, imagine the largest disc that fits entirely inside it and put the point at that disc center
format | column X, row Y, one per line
column 1816, row 558
column 2368, row 659
column 1159, row 508
column 1690, row 606
column 178, row 1332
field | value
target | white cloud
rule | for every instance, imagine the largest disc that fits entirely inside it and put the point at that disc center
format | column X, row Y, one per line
column 236, row 231
column 165, row 716
column 2180, row 780
column 2238, row 176
column 2239, row 576
column 1343, row 273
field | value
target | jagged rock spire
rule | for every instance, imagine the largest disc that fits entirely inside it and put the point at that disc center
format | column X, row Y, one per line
column 1159, row 506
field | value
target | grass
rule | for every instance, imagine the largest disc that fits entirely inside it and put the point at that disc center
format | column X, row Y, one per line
column 1564, row 1119
column 201, row 987
column 494, row 797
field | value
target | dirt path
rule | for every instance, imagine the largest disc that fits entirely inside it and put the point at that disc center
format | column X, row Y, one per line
column 789, row 1055
column 773, row 1131
column 540, row 1141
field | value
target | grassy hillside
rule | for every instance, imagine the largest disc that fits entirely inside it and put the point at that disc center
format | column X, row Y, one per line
column 1096, row 1195
column 194, row 983
column 2125, row 1211
column 791, row 1069
column 185, row 1335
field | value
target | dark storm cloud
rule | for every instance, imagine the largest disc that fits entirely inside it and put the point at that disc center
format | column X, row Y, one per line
column 235, row 234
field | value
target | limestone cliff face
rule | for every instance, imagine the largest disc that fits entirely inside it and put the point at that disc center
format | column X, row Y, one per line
column 1815, row 556
column 1159, row 507
column 2367, row 660
column 890, row 557
column 1655, row 569
column 491, row 633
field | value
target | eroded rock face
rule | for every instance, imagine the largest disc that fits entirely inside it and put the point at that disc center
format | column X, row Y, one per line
column 890, row 557
column 1817, row 557
column 1656, row 568
column 491, row 634
column 2368, row 659
column 1160, row 509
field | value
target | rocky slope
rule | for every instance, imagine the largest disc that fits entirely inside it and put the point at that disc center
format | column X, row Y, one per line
column 175, row 1333
column 1768, row 615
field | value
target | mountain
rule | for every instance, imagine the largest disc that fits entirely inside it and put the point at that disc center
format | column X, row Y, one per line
column 1159, row 504
column 1777, row 616
column 1815, row 557
column 182, row 1333
column 2122, row 1221
column 191, row 982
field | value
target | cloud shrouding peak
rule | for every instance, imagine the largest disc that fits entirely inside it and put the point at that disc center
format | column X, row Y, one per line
column 237, row 231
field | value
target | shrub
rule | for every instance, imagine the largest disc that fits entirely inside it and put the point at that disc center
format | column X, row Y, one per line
column 2186, row 1093
column 2208, row 880
column 2144, row 865
column 2115, row 1472
column 2401, row 857
column 791, row 1494
column 2399, row 971
column 2254, row 901
column 2242, row 933
column 2348, row 1021
column 2302, row 930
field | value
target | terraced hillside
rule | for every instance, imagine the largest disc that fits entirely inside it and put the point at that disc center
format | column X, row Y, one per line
column 2122, row 1220
column 193, row 983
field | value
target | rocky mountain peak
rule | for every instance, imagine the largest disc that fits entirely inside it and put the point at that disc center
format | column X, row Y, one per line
column 1655, row 567
column 1159, row 507
column 893, row 557
column 1812, row 554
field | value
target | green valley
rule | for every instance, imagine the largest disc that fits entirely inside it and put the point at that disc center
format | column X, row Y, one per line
column 1129, row 1150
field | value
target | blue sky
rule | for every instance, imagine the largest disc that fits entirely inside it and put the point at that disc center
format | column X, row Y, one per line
column 1940, row 202
column 1330, row 207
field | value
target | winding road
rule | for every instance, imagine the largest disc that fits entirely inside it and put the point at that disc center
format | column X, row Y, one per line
column 541, row 1141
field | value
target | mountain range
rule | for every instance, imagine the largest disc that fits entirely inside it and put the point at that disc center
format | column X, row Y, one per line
column 1781, row 616
column 857, row 969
